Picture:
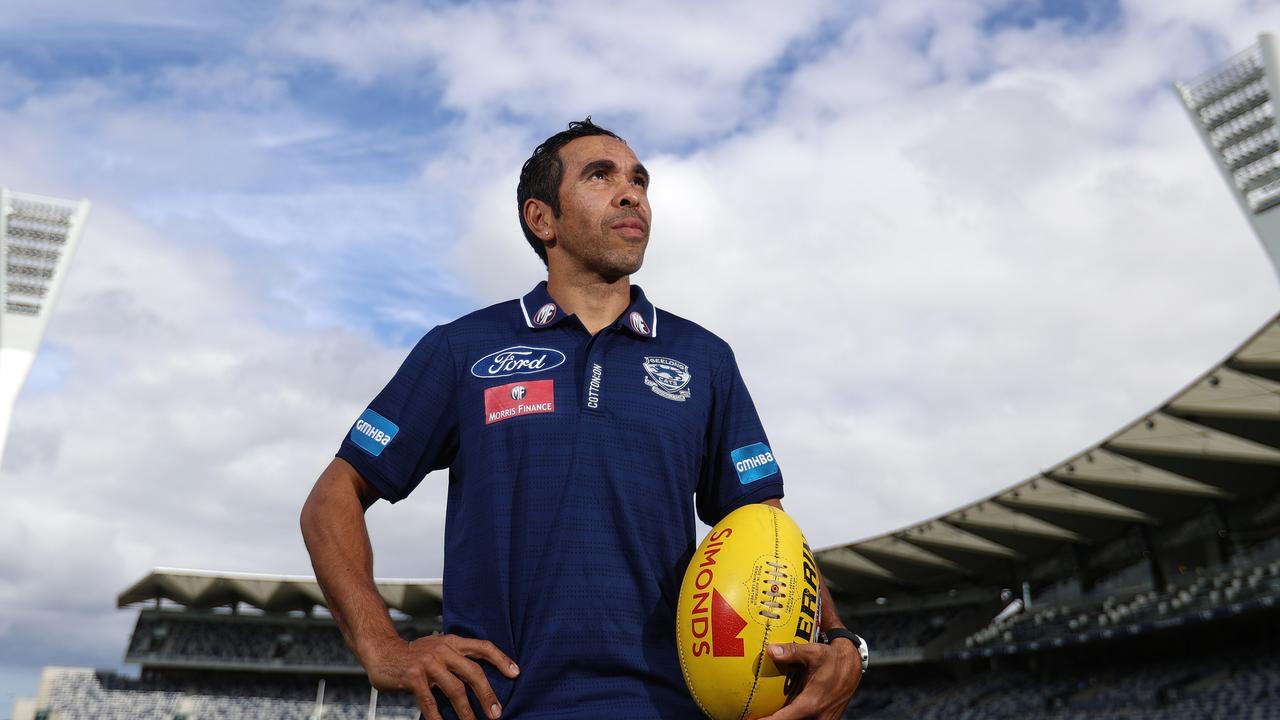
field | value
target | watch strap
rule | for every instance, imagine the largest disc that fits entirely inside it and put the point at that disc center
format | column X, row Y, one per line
column 863, row 651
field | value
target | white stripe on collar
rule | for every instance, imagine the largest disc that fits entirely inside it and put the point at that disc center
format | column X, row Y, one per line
column 525, row 312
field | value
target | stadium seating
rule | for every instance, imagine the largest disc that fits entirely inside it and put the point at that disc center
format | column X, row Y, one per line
column 77, row 693
column 1185, row 688
column 1206, row 592
column 904, row 630
column 81, row 694
column 192, row 637
column 1181, row 679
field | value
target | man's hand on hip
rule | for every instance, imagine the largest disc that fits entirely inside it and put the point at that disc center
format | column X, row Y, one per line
column 443, row 661
column 831, row 674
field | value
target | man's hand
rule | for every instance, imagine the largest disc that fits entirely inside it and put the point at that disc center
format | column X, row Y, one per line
column 443, row 661
column 831, row 674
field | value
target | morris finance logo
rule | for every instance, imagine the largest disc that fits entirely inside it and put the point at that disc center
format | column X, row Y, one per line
column 513, row 400
column 518, row 360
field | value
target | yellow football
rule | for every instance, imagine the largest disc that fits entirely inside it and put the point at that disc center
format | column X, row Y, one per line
column 751, row 582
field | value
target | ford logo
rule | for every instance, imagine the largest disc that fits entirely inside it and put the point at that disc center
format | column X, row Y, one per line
column 518, row 360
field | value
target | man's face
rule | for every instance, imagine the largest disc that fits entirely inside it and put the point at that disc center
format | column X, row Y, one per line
column 603, row 226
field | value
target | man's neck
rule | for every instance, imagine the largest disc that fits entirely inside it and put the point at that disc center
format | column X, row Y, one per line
column 596, row 301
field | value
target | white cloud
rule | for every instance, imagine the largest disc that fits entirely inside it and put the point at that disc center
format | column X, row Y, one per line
column 673, row 69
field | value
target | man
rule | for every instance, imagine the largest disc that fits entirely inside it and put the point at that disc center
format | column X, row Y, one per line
column 579, row 424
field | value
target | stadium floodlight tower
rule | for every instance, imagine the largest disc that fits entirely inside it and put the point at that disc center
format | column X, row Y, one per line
column 37, row 238
column 1233, row 108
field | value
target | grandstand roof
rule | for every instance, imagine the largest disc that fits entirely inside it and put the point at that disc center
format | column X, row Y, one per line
column 203, row 589
column 1217, row 439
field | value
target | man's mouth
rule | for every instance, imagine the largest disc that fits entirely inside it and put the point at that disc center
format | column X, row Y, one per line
column 631, row 227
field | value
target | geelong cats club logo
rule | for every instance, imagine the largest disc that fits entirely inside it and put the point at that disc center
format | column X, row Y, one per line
column 667, row 377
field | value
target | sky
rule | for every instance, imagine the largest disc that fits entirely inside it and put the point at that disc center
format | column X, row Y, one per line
column 951, row 243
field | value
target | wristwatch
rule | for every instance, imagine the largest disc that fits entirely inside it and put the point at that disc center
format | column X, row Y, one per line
column 864, row 652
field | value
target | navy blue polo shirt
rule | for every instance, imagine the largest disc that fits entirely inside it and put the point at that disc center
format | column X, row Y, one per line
column 576, row 464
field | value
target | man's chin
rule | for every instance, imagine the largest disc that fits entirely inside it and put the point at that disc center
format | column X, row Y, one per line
column 617, row 268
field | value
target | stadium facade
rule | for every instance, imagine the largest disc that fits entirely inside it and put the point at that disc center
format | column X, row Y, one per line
column 1138, row 578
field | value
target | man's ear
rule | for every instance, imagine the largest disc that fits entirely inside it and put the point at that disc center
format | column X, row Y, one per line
column 540, row 219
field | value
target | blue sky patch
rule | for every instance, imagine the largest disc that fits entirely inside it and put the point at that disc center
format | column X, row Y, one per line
column 1075, row 15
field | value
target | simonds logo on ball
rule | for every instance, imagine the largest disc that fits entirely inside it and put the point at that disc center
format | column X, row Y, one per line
column 712, row 614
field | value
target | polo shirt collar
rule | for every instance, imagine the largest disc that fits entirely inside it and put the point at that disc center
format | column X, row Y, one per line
column 541, row 311
column 641, row 317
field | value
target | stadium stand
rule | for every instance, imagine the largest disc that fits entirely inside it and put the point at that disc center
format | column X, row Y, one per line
column 1228, row 591
column 74, row 693
column 184, row 637
column 1222, row 671
column 235, row 646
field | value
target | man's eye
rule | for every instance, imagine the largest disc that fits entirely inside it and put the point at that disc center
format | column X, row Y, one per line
column 642, row 181
column 602, row 174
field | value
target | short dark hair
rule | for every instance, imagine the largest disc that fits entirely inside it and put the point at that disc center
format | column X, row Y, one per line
column 543, row 172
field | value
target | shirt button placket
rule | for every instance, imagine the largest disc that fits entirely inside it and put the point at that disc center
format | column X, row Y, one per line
column 593, row 373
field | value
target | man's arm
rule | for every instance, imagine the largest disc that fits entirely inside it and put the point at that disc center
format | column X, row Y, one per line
column 337, row 538
column 832, row 672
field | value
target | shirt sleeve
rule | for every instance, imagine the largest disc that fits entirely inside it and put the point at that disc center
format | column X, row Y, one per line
column 411, row 427
column 739, row 467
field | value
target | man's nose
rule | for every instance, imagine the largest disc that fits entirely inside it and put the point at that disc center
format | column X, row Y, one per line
column 628, row 198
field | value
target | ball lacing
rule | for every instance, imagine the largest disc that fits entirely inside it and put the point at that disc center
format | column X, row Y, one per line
column 776, row 591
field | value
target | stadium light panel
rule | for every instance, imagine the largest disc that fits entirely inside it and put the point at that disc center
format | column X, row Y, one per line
column 1233, row 108
column 38, row 237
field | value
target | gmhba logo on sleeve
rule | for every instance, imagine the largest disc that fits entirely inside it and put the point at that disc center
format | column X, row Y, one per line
column 754, row 462
column 372, row 432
